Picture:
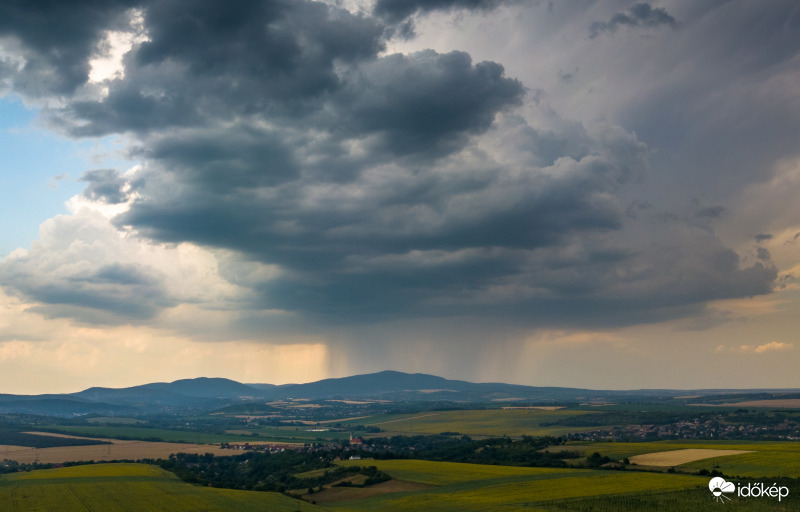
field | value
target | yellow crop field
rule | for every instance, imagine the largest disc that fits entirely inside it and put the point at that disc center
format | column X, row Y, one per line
column 118, row 450
column 53, row 434
column 619, row 450
column 93, row 471
column 760, row 463
column 7, row 449
column 417, row 485
column 127, row 488
column 471, row 487
column 678, row 457
column 757, row 458
column 444, row 473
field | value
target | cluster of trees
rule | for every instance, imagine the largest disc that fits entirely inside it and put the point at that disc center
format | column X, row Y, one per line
column 279, row 471
column 12, row 466
column 454, row 448
column 249, row 471
column 373, row 474
column 595, row 460
column 255, row 471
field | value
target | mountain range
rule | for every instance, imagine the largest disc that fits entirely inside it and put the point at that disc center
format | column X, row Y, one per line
column 212, row 393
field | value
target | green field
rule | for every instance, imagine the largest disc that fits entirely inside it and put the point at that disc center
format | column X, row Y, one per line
column 15, row 437
column 769, row 458
column 264, row 434
column 470, row 487
column 485, row 422
column 645, row 407
column 480, row 423
column 689, row 500
column 418, row 486
column 445, row 473
column 112, row 420
column 151, row 434
column 297, row 434
column 127, row 488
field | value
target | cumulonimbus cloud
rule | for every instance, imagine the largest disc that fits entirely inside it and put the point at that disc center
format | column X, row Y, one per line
column 380, row 185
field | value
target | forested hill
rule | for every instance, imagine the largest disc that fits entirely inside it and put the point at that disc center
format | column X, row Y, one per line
column 205, row 394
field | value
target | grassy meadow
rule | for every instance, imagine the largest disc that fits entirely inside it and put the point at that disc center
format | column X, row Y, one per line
column 416, row 485
column 144, row 433
column 260, row 434
column 480, row 422
column 293, row 434
column 688, row 500
column 113, row 420
column 477, row 423
column 469, row 487
column 768, row 459
column 127, row 488
column 443, row 487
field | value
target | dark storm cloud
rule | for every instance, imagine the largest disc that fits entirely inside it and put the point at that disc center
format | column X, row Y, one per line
column 241, row 156
column 380, row 186
column 763, row 237
column 207, row 62
column 425, row 102
column 397, row 10
column 639, row 15
column 105, row 185
column 453, row 202
column 400, row 242
column 57, row 39
column 275, row 49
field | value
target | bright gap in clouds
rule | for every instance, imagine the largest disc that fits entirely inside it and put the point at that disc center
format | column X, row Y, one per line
column 113, row 47
column 40, row 170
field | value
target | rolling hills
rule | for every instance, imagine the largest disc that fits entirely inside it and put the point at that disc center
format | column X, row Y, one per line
column 206, row 394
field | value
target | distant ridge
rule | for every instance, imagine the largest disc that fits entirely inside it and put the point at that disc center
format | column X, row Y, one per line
column 212, row 387
column 398, row 385
column 60, row 406
column 201, row 392
column 205, row 394
column 200, row 386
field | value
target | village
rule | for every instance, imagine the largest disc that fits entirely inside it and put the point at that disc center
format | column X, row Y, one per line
column 697, row 429
column 271, row 447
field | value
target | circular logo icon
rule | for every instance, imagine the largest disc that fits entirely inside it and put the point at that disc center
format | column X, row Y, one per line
column 718, row 486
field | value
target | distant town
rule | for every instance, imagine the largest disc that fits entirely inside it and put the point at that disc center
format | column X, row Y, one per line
column 712, row 429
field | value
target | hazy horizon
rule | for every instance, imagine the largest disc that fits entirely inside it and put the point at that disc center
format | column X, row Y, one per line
column 577, row 194
column 66, row 392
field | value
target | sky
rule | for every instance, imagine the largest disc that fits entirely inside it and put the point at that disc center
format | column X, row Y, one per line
column 579, row 193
